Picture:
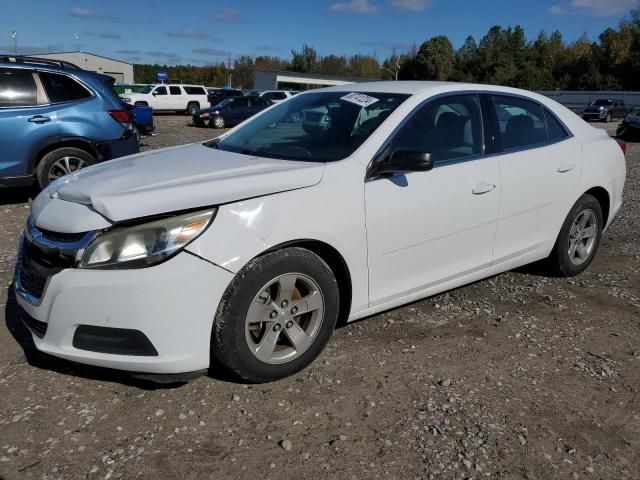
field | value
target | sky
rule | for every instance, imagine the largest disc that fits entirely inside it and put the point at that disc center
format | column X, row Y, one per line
column 201, row 32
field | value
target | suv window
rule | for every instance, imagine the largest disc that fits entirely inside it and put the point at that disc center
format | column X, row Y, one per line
column 17, row 88
column 175, row 91
column 61, row 88
column 275, row 96
column 160, row 91
column 448, row 128
column 195, row 90
column 555, row 129
column 521, row 122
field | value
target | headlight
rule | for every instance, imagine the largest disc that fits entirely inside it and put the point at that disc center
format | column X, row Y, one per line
column 204, row 115
column 145, row 244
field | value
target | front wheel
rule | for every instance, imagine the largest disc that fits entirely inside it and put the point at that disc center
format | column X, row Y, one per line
column 608, row 118
column 579, row 238
column 219, row 122
column 276, row 316
column 61, row 162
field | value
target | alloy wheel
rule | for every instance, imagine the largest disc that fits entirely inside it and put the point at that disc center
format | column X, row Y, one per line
column 583, row 236
column 284, row 318
column 65, row 166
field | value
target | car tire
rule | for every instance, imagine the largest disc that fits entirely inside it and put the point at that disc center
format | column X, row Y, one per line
column 140, row 104
column 608, row 118
column 192, row 108
column 138, row 134
column 60, row 162
column 579, row 238
column 218, row 122
column 259, row 315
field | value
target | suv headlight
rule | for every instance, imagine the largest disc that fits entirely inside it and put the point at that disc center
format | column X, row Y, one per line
column 145, row 244
column 126, row 99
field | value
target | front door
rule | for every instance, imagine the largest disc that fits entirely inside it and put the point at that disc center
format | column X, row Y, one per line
column 427, row 228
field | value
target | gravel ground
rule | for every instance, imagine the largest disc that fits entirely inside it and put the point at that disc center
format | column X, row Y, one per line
column 520, row 376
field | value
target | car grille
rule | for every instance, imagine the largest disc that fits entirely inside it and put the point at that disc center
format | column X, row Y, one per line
column 62, row 237
column 36, row 266
column 37, row 327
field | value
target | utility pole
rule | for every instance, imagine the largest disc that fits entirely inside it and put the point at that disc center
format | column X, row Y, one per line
column 229, row 69
column 14, row 35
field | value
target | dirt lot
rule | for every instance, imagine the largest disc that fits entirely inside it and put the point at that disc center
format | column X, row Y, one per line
column 520, row 376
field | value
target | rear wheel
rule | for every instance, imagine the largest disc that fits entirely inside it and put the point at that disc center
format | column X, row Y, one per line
column 276, row 316
column 608, row 118
column 61, row 162
column 192, row 108
column 579, row 238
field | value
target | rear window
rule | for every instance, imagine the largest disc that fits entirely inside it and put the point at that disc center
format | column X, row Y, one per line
column 61, row 88
column 17, row 88
column 522, row 122
column 555, row 129
column 195, row 90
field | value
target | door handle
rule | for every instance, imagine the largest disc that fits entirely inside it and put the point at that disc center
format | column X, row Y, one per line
column 566, row 167
column 483, row 188
column 39, row 119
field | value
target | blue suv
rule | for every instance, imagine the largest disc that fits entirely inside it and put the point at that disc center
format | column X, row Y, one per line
column 56, row 118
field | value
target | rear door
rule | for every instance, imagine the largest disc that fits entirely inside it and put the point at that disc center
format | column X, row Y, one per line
column 177, row 98
column 540, row 164
column 26, row 120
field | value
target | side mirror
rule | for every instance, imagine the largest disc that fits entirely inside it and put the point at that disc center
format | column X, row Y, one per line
column 403, row 161
column 154, row 93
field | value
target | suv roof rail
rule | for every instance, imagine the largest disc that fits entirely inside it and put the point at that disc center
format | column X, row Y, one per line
column 37, row 60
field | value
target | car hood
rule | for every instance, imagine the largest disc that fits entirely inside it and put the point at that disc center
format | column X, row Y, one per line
column 179, row 178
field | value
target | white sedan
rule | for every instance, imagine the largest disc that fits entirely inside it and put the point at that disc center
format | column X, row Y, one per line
column 250, row 247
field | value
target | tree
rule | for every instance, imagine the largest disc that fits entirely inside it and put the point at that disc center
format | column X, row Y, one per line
column 435, row 59
column 465, row 62
column 364, row 66
column 305, row 60
column 333, row 65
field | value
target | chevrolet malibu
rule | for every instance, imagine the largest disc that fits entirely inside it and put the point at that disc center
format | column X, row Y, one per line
column 249, row 248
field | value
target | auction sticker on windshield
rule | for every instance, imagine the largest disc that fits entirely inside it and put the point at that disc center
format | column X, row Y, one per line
column 359, row 99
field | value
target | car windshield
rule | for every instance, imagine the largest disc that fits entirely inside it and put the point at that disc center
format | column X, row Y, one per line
column 146, row 89
column 318, row 126
column 603, row 103
column 223, row 103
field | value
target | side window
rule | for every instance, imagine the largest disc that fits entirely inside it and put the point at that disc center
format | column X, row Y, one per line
column 241, row 102
column 448, row 128
column 555, row 129
column 61, row 88
column 175, row 91
column 195, row 90
column 277, row 96
column 17, row 88
column 521, row 122
column 160, row 91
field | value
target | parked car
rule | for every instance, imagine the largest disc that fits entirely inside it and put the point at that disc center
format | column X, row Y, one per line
column 250, row 247
column 605, row 110
column 216, row 95
column 630, row 127
column 169, row 97
column 276, row 96
column 229, row 112
column 56, row 118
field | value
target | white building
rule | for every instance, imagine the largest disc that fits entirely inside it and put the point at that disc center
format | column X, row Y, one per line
column 122, row 72
column 278, row 79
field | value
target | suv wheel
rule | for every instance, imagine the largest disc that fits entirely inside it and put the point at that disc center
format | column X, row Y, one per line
column 608, row 118
column 140, row 104
column 192, row 108
column 276, row 316
column 579, row 238
column 61, row 162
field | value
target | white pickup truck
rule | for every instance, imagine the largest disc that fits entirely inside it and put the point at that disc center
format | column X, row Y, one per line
column 183, row 98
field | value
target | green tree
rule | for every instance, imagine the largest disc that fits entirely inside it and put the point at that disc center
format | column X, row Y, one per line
column 304, row 61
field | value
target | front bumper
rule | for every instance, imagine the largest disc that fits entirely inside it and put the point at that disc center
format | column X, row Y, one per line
column 172, row 304
column 594, row 115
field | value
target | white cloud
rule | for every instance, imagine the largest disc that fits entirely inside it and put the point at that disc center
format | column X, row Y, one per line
column 80, row 12
column 600, row 8
column 411, row 5
column 188, row 33
column 227, row 15
column 356, row 6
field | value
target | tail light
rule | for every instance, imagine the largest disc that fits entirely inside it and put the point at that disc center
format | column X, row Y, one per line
column 123, row 117
column 623, row 145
